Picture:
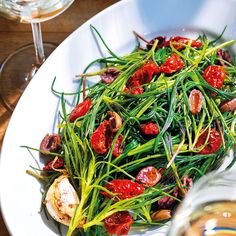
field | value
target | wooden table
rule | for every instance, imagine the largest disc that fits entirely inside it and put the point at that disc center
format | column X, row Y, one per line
column 14, row 35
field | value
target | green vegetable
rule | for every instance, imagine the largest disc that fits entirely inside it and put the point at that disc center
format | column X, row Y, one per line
column 165, row 102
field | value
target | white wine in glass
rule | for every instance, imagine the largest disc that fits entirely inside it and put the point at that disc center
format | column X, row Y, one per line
column 19, row 67
column 209, row 208
column 33, row 11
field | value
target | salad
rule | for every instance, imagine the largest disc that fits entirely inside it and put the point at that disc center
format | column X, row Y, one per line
column 127, row 153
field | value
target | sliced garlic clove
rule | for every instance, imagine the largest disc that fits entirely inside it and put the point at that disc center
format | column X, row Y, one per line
column 61, row 200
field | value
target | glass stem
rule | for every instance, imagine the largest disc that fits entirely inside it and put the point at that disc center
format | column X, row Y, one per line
column 38, row 43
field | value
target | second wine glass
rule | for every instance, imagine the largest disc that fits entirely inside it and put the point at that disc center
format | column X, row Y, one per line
column 209, row 208
column 20, row 66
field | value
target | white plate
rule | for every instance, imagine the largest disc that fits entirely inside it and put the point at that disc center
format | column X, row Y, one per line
column 34, row 115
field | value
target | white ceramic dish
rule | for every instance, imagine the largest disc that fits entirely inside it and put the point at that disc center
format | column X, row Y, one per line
column 34, row 115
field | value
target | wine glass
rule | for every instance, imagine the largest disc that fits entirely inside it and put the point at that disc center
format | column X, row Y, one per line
column 15, row 78
column 209, row 207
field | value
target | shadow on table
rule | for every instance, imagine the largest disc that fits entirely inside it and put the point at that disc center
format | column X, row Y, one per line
column 5, row 115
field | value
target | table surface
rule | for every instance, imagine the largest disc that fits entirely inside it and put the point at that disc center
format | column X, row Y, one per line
column 14, row 35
